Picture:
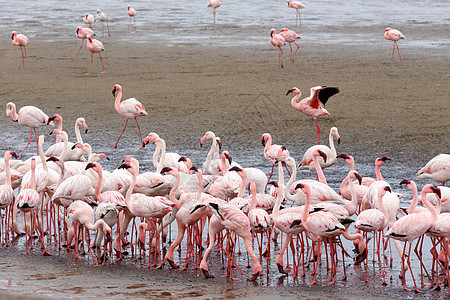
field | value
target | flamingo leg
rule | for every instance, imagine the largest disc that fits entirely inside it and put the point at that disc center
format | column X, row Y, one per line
column 393, row 50
column 139, row 129
column 126, row 122
column 395, row 43
column 280, row 59
column 214, row 15
column 92, row 59
column 290, row 53
column 318, row 132
column 23, row 59
column 102, row 63
column 29, row 141
column 295, row 51
column 79, row 49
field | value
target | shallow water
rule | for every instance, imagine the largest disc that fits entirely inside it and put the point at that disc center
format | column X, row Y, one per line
column 238, row 22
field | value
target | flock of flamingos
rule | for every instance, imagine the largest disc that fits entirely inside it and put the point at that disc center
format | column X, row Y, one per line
column 62, row 190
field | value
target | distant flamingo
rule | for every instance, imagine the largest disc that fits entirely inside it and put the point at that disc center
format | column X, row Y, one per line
column 394, row 35
column 30, row 116
column 95, row 46
column 411, row 227
column 314, row 105
column 130, row 109
column 89, row 19
column 22, row 41
column 103, row 18
column 82, row 33
column 132, row 14
column 277, row 41
column 437, row 169
column 290, row 36
column 297, row 5
column 330, row 152
column 214, row 4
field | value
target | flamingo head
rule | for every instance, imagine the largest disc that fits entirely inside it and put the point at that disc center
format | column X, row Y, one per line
column 128, row 7
column 356, row 175
column 272, row 32
column 195, row 169
column 92, row 166
column 265, row 137
column 387, row 29
column 437, row 191
column 322, row 154
column 227, row 156
column 236, row 169
column 13, row 34
column 103, row 155
column 274, row 183
column 11, row 154
column 219, row 143
column 125, row 166
column 380, row 161
column 294, row 90
column 116, row 88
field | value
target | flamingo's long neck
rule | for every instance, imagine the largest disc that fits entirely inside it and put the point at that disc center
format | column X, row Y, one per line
column 66, row 144
column 431, row 208
column 162, row 145
column 155, row 157
column 306, row 207
column 60, row 126
column 351, row 206
column 98, row 187
column 224, row 164
column 319, row 171
column 378, row 170
column 96, row 225
column 7, row 170
column 290, row 182
column 77, row 132
column 128, row 199
column 243, row 183
column 200, row 184
column 276, row 208
column 268, row 144
column 331, row 143
column 253, row 191
column 382, row 208
column 12, row 114
column 211, row 151
column 415, row 199
column 33, row 182
column 41, row 155
column 118, row 97
column 294, row 102
column 174, row 190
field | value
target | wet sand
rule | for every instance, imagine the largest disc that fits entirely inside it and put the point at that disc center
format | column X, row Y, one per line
column 394, row 109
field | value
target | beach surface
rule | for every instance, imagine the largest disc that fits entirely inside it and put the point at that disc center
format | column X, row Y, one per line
column 399, row 110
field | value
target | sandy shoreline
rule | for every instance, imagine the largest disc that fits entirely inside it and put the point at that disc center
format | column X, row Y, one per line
column 399, row 110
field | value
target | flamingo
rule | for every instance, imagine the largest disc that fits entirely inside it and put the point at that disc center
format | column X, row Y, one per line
column 290, row 36
column 208, row 167
column 81, row 214
column 411, row 227
column 6, row 194
column 314, row 105
column 214, row 4
column 20, row 40
column 132, row 13
column 108, row 213
column 168, row 159
column 30, row 116
column 82, row 33
column 375, row 220
column 394, row 35
column 89, row 19
column 330, row 152
column 277, row 41
column 95, row 46
column 297, row 5
column 58, row 148
column 273, row 152
column 28, row 200
column 130, row 109
column 437, row 169
column 103, row 18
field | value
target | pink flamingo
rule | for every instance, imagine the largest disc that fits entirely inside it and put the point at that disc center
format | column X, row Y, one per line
column 411, row 227
column 273, row 153
column 30, row 116
column 130, row 109
column 214, row 4
column 103, row 18
column 290, row 36
column 437, row 169
column 232, row 218
column 28, row 201
column 277, row 41
column 330, row 152
column 375, row 220
column 6, row 195
column 132, row 14
column 314, row 105
column 95, row 46
column 81, row 214
column 297, row 5
column 394, row 35
column 89, row 19
column 21, row 41
column 82, row 33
